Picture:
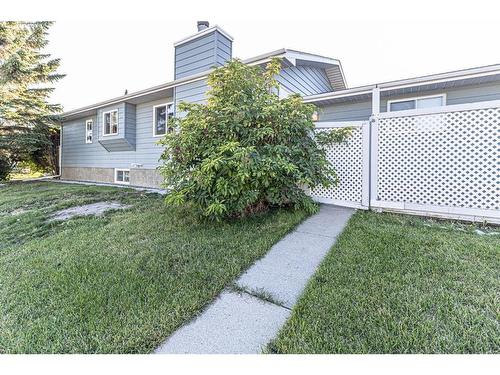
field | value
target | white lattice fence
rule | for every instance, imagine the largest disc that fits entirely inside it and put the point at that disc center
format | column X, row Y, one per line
column 350, row 161
column 445, row 161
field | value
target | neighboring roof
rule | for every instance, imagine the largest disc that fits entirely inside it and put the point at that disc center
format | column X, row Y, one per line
column 332, row 66
column 483, row 74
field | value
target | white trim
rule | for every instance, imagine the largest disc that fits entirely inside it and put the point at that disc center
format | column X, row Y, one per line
column 483, row 71
column 471, row 214
column 445, row 109
column 375, row 101
column 365, row 175
column 415, row 99
column 373, row 151
column 203, row 33
column 122, row 170
column 294, row 55
column 182, row 81
column 341, row 203
column 166, row 119
column 87, row 122
column 138, row 94
column 364, row 90
column 441, row 77
column 104, row 122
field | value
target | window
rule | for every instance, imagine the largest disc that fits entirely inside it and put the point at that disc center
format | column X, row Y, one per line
column 110, row 122
column 122, row 176
column 162, row 115
column 416, row 103
column 89, row 124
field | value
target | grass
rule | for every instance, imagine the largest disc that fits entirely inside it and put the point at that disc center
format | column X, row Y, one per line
column 120, row 283
column 399, row 284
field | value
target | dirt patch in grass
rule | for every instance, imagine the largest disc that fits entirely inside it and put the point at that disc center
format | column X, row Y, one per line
column 120, row 283
column 94, row 209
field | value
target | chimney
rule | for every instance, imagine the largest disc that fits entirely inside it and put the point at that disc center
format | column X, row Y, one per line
column 202, row 25
column 210, row 47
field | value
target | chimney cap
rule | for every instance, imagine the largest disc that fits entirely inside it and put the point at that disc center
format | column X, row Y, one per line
column 202, row 25
column 199, row 34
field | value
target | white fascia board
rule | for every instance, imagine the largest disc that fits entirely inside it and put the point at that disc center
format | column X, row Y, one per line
column 202, row 33
column 441, row 77
column 124, row 98
column 340, row 94
column 293, row 56
column 391, row 85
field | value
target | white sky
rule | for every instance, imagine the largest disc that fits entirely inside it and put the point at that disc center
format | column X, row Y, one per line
column 109, row 46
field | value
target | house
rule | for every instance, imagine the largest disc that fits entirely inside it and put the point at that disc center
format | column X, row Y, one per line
column 115, row 141
column 421, row 145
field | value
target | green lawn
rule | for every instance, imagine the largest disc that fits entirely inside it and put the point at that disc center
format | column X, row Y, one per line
column 118, row 283
column 399, row 284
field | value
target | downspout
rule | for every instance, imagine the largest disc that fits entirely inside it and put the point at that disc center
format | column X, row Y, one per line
column 60, row 152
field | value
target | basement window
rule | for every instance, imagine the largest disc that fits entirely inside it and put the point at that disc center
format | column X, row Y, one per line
column 110, row 122
column 416, row 103
column 89, row 124
column 162, row 116
column 122, row 176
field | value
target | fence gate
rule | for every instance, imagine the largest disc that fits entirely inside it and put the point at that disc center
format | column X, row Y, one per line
column 442, row 162
column 351, row 162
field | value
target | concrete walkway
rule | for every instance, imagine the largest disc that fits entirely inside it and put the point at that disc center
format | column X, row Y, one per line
column 245, row 319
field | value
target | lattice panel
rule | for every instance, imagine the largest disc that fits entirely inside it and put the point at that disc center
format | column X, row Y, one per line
column 347, row 159
column 447, row 159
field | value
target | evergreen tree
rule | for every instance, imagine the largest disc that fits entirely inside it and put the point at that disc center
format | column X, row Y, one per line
column 28, row 122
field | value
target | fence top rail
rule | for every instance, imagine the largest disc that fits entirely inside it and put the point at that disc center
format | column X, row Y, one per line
column 338, row 124
column 444, row 109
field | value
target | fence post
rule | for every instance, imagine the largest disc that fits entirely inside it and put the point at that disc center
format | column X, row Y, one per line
column 365, row 198
column 373, row 145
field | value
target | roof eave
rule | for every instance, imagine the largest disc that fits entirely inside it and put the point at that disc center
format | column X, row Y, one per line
column 416, row 81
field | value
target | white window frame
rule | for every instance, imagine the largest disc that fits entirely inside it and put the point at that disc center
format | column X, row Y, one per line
column 415, row 98
column 116, row 176
column 91, row 122
column 104, row 122
column 166, row 119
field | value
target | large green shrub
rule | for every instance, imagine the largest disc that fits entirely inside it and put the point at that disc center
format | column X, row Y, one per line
column 245, row 149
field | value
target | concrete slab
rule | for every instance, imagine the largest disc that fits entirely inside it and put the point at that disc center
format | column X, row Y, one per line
column 234, row 324
column 330, row 221
column 240, row 323
column 285, row 270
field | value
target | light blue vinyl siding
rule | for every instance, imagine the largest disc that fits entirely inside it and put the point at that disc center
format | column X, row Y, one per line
column 347, row 111
column 77, row 153
column 304, row 80
column 359, row 111
column 461, row 95
column 125, row 139
column 130, row 119
column 201, row 54
column 194, row 92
